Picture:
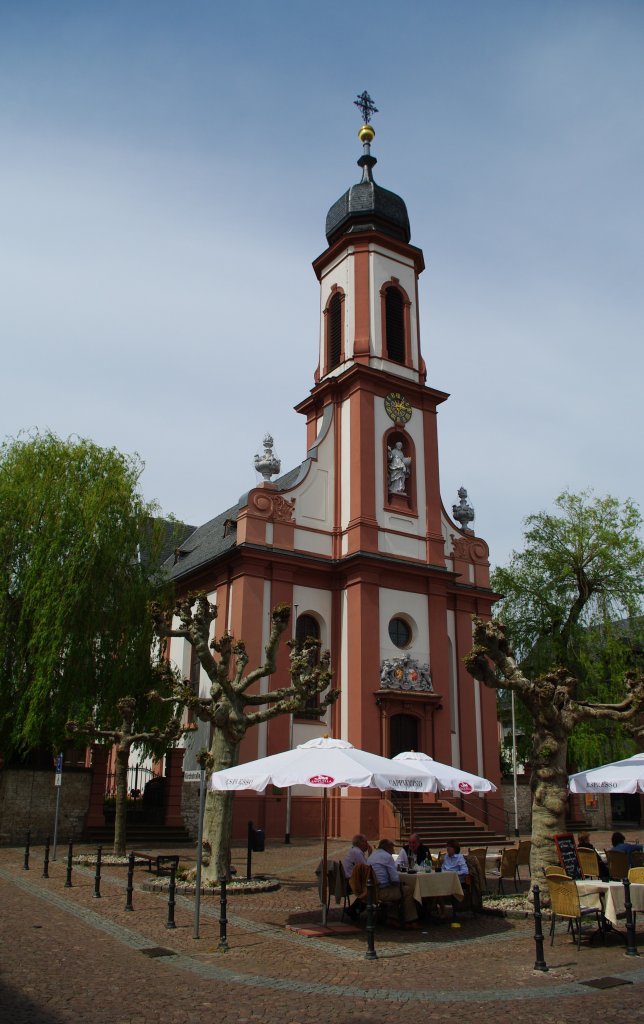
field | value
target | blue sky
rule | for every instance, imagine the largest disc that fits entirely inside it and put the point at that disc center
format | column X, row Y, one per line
column 165, row 172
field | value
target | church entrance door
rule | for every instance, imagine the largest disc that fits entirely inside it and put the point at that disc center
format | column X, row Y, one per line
column 403, row 734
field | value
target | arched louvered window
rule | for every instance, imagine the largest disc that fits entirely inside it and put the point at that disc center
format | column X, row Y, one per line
column 395, row 325
column 334, row 328
column 307, row 626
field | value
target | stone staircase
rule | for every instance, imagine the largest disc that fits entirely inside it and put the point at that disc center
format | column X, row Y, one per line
column 439, row 821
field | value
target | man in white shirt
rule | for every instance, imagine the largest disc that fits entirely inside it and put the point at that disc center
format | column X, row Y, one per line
column 356, row 855
column 391, row 885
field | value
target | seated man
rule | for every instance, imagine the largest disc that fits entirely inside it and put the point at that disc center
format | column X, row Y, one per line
column 414, row 852
column 392, row 885
column 357, row 854
column 619, row 843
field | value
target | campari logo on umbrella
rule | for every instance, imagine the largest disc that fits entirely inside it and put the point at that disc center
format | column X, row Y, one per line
column 465, row 787
column 321, row 780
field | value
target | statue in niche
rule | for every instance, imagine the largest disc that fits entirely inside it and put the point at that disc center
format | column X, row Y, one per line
column 398, row 468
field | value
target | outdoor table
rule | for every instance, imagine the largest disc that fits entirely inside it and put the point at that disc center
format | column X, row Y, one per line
column 612, row 904
column 436, row 884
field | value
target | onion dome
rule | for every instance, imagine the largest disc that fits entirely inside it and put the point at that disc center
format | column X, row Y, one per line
column 367, row 206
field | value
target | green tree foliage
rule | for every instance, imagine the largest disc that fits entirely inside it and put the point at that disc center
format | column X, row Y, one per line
column 75, row 633
column 572, row 599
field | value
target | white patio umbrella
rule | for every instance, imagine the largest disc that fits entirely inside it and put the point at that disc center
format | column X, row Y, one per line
column 323, row 763
column 444, row 776
column 625, row 776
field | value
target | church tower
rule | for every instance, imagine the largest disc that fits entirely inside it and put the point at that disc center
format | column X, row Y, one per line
column 356, row 538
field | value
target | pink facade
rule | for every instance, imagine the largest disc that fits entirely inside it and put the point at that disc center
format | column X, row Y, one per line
column 357, row 539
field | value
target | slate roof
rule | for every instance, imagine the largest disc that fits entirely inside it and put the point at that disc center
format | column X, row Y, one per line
column 371, row 207
column 209, row 542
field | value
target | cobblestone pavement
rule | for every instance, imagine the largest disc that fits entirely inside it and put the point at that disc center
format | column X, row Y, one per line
column 67, row 956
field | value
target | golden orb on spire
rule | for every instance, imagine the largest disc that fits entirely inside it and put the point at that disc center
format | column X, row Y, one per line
column 366, row 134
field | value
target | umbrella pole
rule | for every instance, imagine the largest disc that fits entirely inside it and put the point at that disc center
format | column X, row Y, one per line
column 325, row 876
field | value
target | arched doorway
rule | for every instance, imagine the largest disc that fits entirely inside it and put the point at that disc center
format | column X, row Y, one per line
column 403, row 734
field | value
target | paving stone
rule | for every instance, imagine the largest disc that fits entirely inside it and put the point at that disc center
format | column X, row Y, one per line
column 68, row 958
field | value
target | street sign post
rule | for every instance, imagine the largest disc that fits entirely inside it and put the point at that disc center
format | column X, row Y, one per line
column 58, row 781
column 202, row 802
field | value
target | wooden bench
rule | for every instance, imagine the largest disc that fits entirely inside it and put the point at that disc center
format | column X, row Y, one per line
column 163, row 861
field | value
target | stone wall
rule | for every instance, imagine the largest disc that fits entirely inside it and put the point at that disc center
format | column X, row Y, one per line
column 582, row 814
column 28, row 801
column 524, row 805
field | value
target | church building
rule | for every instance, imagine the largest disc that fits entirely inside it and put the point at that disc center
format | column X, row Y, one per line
column 356, row 538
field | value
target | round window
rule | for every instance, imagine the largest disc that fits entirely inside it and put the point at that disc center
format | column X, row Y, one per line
column 399, row 632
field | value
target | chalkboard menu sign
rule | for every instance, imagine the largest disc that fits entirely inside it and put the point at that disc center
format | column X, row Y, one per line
column 567, row 853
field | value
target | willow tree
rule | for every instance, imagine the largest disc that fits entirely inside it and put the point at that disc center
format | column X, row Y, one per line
column 231, row 705
column 75, row 631
column 563, row 643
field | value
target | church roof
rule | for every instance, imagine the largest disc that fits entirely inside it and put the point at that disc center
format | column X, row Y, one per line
column 367, row 205
column 212, row 540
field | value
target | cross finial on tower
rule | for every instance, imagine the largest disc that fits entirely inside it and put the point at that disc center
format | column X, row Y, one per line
column 366, row 105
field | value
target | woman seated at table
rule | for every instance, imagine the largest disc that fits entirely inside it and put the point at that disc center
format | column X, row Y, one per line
column 454, row 860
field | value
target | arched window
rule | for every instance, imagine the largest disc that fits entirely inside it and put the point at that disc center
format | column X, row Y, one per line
column 395, row 325
column 306, row 626
column 334, row 329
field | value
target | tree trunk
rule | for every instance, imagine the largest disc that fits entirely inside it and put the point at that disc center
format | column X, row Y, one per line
column 218, row 814
column 549, row 788
column 120, row 817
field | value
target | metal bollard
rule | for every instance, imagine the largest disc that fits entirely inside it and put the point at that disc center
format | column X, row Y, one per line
column 97, row 876
column 130, row 882
column 631, row 939
column 539, row 964
column 371, row 922
column 70, row 854
column 223, row 920
column 27, row 845
column 45, row 867
column 172, row 888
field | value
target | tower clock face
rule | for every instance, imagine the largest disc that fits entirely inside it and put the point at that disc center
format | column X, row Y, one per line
column 397, row 407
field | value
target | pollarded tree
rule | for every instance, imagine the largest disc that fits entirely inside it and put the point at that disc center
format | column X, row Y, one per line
column 552, row 703
column 75, row 631
column 231, row 707
column 123, row 737
column 561, row 644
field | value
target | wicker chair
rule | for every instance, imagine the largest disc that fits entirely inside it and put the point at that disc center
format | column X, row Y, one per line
column 358, row 882
column 523, row 857
column 480, row 853
column 508, row 869
column 555, row 871
column 588, row 862
column 637, row 859
column 565, row 902
column 618, row 865
column 338, row 886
